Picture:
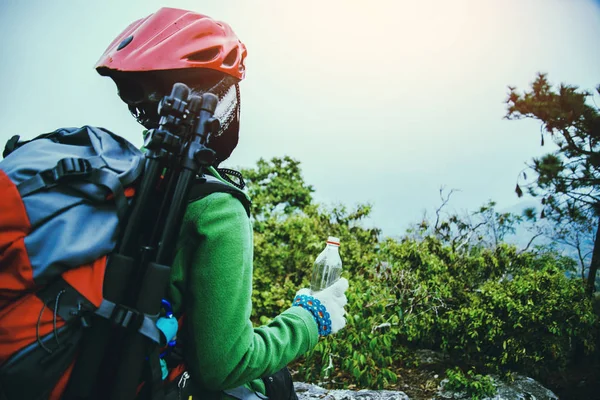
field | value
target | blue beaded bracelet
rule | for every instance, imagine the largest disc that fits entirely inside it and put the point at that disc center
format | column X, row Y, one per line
column 318, row 311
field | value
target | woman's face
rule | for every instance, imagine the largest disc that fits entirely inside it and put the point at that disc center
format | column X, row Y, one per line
column 142, row 91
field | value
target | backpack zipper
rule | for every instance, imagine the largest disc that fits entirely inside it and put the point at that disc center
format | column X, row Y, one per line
column 182, row 382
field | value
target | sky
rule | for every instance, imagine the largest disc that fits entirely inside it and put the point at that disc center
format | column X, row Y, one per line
column 383, row 102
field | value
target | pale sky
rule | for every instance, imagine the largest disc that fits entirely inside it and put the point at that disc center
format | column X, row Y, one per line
column 381, row 101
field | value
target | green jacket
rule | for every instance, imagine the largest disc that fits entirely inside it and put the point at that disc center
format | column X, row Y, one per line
column 211, row 282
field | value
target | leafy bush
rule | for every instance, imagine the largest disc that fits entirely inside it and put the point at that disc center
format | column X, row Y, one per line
column 482, row 302
column 472, row 384
column 536, row 322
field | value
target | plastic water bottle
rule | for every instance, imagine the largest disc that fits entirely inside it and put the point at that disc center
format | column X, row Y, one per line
column 327, row 267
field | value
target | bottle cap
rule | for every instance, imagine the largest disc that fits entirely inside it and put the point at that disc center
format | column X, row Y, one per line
column 333, row 240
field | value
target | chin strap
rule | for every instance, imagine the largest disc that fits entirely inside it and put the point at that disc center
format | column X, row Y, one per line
column 227, row 173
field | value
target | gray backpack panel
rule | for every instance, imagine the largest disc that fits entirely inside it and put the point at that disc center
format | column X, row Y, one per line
column 65, row 179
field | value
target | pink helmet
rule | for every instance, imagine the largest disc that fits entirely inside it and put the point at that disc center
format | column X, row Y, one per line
column 174, row 39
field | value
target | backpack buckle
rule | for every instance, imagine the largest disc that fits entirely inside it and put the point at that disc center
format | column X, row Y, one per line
column 127, row 317
column 71, row 167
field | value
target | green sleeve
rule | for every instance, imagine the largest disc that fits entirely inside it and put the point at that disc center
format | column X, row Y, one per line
column 211, row 283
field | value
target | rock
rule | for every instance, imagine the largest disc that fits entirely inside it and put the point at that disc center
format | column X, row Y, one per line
column 427, row 357
column 523, row 388
column 307, row 391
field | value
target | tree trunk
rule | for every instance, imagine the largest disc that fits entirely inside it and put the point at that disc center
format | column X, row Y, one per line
column 591, row 280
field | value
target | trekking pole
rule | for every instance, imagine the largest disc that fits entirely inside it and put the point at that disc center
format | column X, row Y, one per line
column 195, row 157
column 161, row 144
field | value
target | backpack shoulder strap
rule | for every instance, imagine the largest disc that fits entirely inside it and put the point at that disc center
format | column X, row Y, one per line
column 208, row 185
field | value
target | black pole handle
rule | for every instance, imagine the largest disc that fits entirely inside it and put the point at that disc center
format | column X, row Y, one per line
column 127, row 264
column 194, row 158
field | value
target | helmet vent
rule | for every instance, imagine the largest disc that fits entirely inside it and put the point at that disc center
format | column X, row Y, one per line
column 125, row 42
column 231, row 58
column 205, row 55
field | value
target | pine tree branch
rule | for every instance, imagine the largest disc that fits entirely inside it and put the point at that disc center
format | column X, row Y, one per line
column 566, row 134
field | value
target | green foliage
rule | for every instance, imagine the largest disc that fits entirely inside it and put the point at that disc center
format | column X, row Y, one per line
column 290, row 231
column 536, row 322
column 361, row 353
column 474, row 385
column 277, row 185
column 482, row 302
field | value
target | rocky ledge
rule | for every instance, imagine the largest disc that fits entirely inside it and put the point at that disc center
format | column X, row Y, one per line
column 522, row 388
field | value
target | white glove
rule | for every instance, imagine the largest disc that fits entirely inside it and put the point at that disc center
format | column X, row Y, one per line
column 334, row 299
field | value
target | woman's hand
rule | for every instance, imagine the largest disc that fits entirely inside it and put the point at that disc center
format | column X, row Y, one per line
column 334, row 299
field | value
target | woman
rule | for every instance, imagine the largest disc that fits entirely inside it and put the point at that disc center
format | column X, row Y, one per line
column 211, row 279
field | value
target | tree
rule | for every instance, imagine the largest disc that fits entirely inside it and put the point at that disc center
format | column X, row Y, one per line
column 277, row 185
column 568, row 179
column 485, row 227
column 290, row 231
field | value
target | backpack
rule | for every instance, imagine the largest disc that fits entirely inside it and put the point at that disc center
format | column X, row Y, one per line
column 65, row 197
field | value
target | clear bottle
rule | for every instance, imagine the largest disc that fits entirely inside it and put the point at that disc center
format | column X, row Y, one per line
column 327, row 267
